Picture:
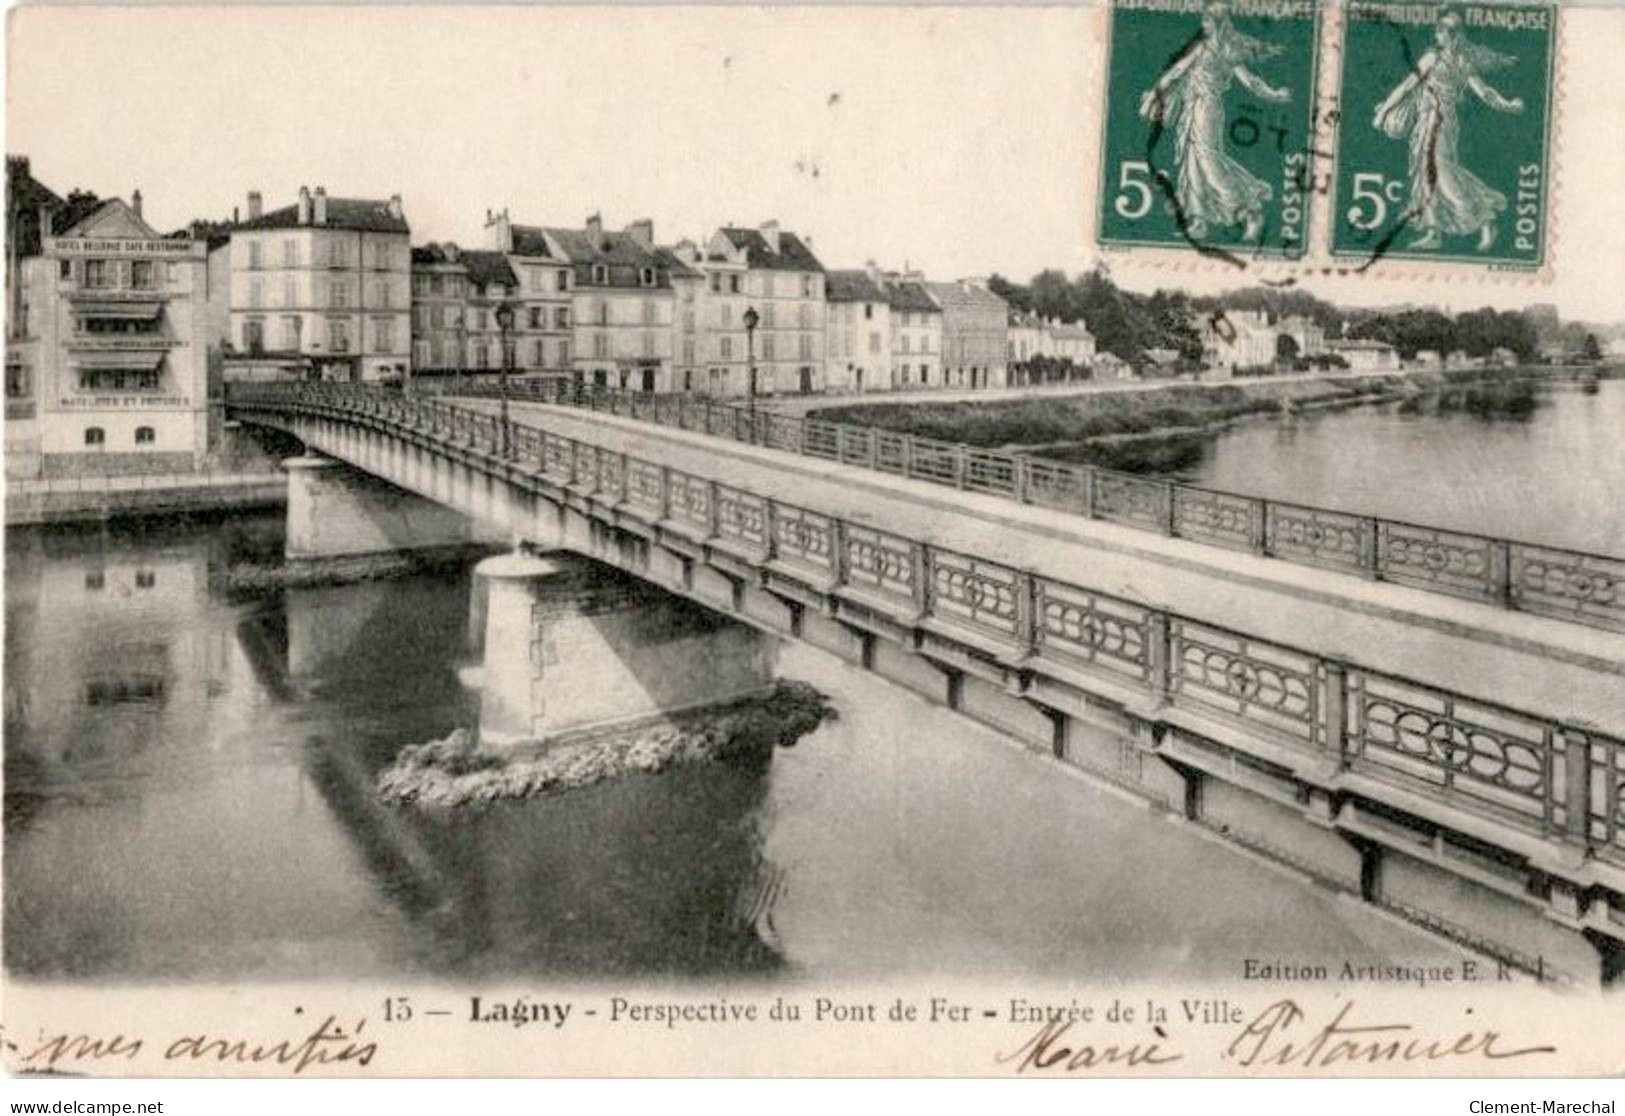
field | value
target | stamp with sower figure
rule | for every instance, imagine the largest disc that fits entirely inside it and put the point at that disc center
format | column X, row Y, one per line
column 1443, row 138
column 1208, row 115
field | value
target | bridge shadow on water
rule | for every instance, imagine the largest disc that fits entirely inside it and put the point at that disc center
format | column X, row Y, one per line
column 641, row 874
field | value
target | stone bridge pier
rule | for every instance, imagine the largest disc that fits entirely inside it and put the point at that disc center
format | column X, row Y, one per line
column 572, row 646
column 335, row 511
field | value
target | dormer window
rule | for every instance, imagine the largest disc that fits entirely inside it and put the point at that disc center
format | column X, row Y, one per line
column 600, row 274
column 647, row 276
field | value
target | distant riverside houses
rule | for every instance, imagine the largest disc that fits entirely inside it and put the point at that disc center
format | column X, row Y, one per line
column 1365, row 355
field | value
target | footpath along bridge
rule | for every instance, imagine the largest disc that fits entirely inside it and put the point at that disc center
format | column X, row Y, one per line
column 1441, row 735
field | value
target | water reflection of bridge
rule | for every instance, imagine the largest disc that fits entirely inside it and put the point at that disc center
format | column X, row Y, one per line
column 648, row 873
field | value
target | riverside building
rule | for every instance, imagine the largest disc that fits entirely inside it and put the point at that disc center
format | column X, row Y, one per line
column 109, row 344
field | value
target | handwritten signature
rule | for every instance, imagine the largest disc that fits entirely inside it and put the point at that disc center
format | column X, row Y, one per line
column 1280, row 1035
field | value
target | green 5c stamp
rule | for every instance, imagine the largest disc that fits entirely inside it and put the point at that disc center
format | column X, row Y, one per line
column 1208, row 112
column 1442, row 134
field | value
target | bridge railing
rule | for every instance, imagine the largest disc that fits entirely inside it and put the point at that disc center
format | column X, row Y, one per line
column 1563, row 782
column 1571, row 585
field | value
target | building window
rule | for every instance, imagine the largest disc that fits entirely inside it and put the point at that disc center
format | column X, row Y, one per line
column 64, row 270
column 649, row 313
column 541, row 354
column 290, row 294
column 561, row 317
column 437, row 316
column 600, row 274
column 806, row 347
column 290, row 332
column 256, row 294
column 254, row 335
column 535, row 316
column 19, row 384
column 727, row 350
column 143, row 275
column 564, row 280
column 338, row 294
column 380, row 291
column 874, row 342
column 733, row 284
column 383, row 335
column 647, row 277
column 564, row 354
column 600, row 345
column 648, row 344
column 804, row 315
column 145, row 435
column 806, row 286
column 380, row 255
column 338, row 335
column 100, row 274
column 290, row 253
column 255, row 252
column 482, row 356
column 688, row 351
column 479, row 319
column 716, row 282
column 767, row 347
column 437, row 284
column 868, row 310
column 768, row 316
column 95, row 436
column 338, row 252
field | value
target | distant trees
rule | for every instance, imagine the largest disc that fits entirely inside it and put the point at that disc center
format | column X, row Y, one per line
column 1591, row 348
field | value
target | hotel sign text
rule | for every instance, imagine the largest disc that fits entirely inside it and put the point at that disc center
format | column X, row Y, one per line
column 86, row 246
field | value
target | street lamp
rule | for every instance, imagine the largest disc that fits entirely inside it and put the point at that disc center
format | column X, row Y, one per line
column 505, row 317
column 751, row 320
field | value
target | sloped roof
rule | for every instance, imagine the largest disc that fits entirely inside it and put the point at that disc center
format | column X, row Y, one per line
column 529, row 240
column 679, row 270
column 436, row 255
column 852, row 286
column 607, row 248
column 911, row 297
column 792, row 255
column 966, row 296
column 357, row 214
column 485, row 268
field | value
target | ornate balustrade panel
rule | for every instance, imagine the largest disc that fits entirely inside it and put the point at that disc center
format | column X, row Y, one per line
column 558, row 459
column 970, row 591
column 645, row 486
column 1444, row 561
column 742, row 517
column 607, row 477
column 1120, row 498
column 990, row 472
column 584, row 468
column 804, row 538
column 854, row 443
column 1219, row 518
column 1316, row 537
column 1587, row 588
column 783, row 433
column 690, row 501
column 1094, row 631
column 527, row 444
column 1051, row 484
column 823, row 440
column 1607, row 820
column 1260, row 684
column 1485, row 758
column 934, row 461
column 891, row 452
column 879, row 561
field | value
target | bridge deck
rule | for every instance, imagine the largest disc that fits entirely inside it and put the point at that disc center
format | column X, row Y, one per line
column 1533, row 663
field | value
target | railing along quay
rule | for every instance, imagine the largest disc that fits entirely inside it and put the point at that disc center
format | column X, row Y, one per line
column 1571, row 585
column 1562, row 782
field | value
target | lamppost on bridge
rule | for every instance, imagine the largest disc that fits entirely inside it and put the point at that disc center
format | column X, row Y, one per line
column 752, row 318
column 505, row 317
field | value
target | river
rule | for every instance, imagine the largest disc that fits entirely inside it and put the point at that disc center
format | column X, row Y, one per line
column 1537, row 464
column 189, row 796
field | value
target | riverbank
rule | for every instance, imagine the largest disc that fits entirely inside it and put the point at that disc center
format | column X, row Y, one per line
column 1149, row 427
column 457, row 771
column 94, row 499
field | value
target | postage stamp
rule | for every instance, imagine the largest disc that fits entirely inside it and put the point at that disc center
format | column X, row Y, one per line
column 1443, row 134
column 1208, row 112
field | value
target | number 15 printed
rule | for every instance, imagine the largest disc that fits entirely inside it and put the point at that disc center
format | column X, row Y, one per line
column 1208, row 118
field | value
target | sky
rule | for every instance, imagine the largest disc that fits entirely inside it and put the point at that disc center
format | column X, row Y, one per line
column 960, row 140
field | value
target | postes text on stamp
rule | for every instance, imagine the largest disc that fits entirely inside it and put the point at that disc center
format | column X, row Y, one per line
column 1443, row 138
column 1208, row 112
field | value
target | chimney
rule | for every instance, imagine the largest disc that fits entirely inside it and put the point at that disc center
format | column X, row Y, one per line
column 451, row 251
column 135, row 200
column 44, row 221
column 319, row 214
column 770, row 233
column 256, row 205
column 872, row 270
column 304, row 205
column 395, row 206
column 595, row 228
column 642, row 231
column 501, row 231
column 234, row 218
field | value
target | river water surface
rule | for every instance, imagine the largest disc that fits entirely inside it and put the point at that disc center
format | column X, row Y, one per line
column 189, row 795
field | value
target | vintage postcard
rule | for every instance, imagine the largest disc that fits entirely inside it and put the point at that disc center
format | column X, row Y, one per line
column 1000, row 541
